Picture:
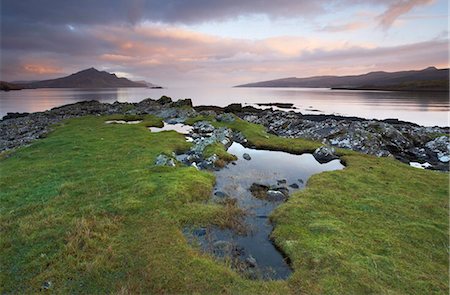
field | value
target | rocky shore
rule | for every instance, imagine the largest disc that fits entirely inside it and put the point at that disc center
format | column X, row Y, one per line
column 405, row 141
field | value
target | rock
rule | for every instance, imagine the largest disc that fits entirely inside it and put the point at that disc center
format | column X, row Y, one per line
column 203, row 127
column 187, row 102
column 324, row 154
column 47, row 285
column 294, row 185
column 233, row 108
column 239, row 138
column 441, row 147
column 195, row 166
column 246, row 157
column 199, row 232
column 300, row 181
column 163, row 160
column 225, row 117
column 281, row 181
column 275, row 195
column 259, row 190
column 164, row 100
column 251, row 261
column 221, row 194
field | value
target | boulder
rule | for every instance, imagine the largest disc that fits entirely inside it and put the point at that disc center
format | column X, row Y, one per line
column 324, row 154
column 441, row 147
column 246, row 157
column 275, row 195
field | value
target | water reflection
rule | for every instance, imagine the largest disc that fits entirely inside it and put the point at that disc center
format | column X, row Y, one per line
column 420, row 107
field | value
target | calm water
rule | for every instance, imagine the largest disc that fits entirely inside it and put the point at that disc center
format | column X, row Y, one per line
column 427, row 109
column 267, row 168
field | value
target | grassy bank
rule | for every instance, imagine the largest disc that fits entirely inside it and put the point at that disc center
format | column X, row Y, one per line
column 86, row 210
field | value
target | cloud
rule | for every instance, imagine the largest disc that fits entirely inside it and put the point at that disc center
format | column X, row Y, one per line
column 169, row 55
column 398, row 8
column 353, row 26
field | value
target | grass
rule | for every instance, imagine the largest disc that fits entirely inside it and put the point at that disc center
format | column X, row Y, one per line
column 86, row 209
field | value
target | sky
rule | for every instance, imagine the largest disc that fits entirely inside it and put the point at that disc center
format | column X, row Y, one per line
column 220, row 43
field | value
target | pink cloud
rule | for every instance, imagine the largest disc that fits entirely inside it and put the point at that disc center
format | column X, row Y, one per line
column 398, row 8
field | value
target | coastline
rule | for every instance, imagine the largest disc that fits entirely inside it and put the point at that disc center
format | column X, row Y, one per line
column 407, row 142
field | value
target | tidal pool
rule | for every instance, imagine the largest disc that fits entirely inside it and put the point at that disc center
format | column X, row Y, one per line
column 279, row 170
column 178, row 127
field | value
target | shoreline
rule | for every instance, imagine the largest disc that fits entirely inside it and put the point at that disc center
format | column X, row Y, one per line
column 406, row 141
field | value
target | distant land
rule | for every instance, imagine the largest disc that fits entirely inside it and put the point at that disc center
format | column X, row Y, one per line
column 89, row 78
column 429, row 79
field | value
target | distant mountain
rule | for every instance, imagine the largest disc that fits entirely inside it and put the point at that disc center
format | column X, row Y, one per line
column 89, row 78
column 148, row 84
column 429, row 79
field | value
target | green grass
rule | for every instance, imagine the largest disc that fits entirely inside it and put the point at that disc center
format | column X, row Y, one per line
column 86, row 209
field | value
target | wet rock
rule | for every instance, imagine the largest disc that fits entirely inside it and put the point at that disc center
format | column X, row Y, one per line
column 251, row 261
column 221, row 194
column 239, row 138
column 259, row 190
column 300, row 181
column 281, row 181
column 275, row 195
column 282, row 189
column 225, row 117
column 294, row 185
column 324, row 154
column 246, row 157
column 163, row 160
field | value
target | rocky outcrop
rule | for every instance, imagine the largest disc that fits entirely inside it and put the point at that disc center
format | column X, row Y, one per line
column 404, row 141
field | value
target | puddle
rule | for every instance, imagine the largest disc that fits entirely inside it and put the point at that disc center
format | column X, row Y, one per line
column 178, row 127
column 255, row 249
column 123, row 122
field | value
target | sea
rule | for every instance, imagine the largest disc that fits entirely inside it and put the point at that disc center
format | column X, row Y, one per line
column 423, row 108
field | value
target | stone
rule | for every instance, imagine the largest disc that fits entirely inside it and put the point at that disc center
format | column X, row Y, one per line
column 164, row 100
column 294, row 185
column 441, row 147
column 246, row 157
column 187, row 102
column 226, row 117
column 233, row 108
column 221, row 194
column 251, row 261
column 275, row 195
column 324, row 154
column 203, row 127
column 163, row 160
column 259, row 190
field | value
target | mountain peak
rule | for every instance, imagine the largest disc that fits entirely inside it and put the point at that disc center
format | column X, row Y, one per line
column 87, row 78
